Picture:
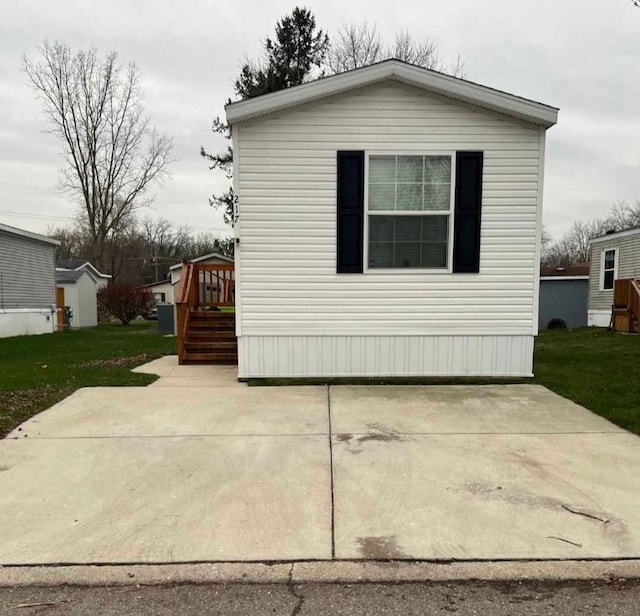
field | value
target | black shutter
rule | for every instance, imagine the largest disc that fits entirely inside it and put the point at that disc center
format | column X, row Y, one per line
column 467, row 214
column 350, row 222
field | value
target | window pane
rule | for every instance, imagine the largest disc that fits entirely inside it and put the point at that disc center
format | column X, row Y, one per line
column 382, row 196
column 437, row 197
column 407, row 228
column 608, row 279
column 609, row 259
column 408, row 241
column 382, row 169
column 380, row 254
column 434, row 228
column 410, row 169
column 437, row 169
column 434, row 255
column 406, row 254
column 381, row 228
column 409, row 197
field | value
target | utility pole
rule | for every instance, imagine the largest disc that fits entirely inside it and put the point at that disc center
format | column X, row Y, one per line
column 155, row 260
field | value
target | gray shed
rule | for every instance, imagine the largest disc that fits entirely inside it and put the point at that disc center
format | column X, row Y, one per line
column 564, row 294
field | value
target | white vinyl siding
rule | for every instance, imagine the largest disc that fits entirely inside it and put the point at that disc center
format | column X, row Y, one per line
column 286, row 181
column 627, row 266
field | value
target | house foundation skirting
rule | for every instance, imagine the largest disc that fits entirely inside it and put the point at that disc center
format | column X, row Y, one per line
column 21, row 321
column 380, row 356
column 599, row 318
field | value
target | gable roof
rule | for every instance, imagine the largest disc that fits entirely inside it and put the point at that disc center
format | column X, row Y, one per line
column 65, row 276
column 28, row 234
column 433, row 81
column 156, row 284
column 211, row 255
column 81, row 264
column 615, row 235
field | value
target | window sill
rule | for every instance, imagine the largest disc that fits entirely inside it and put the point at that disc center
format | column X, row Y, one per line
column 407, row 270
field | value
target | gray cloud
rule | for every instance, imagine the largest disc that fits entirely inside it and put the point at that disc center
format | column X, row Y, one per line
column 581, row 55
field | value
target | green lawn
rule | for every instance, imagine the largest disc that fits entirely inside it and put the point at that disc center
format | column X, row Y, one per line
column 37, row 371
column 595, row 368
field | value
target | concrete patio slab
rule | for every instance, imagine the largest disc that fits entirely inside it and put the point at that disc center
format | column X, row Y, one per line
column 168, row 366
column 164, row 500
column 146, row 411
column 487, row 496
column 464, row 409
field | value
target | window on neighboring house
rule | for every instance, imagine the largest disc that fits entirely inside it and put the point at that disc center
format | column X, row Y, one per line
column 159, row 297
column 409, row 211
column 608, row 269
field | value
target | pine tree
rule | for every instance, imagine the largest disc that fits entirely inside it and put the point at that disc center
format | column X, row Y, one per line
column 289, row 58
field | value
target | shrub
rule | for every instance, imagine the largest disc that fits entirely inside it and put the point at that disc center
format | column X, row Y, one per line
column 123, row 301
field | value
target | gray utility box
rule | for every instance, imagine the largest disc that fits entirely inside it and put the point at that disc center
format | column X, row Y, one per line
column 166, row 319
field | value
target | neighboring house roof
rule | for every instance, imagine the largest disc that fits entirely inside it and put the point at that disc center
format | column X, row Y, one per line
column 28, row 234
column 64, row 276
column 156, row 284
column 211, row 255
column 578, row 270
column 615, row 234
column 433, row 81
column 81, row 264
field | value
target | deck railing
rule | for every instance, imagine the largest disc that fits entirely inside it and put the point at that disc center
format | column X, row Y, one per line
column 626, row 304
column 202, row 285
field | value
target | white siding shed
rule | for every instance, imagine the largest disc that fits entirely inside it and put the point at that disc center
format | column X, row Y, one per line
column 297, row 316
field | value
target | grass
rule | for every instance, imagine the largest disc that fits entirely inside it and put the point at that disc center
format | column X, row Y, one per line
column 595, row 368
column 38, row 371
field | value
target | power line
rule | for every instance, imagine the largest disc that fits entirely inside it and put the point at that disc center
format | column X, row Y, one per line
column 35, row 216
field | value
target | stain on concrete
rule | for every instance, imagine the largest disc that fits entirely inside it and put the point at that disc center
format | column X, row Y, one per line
column 344, row 438
column 380, row 432
column 512, row 496
column 380, row 548
column 4, row 468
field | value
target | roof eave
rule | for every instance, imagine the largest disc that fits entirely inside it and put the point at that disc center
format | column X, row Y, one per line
column 439, row 83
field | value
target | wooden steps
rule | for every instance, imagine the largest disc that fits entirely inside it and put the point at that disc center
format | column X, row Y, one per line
column 211, row 338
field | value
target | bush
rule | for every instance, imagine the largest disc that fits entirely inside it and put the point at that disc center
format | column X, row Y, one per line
column 125, row 302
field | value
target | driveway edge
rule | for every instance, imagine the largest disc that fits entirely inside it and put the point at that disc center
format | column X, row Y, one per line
column 315, row 572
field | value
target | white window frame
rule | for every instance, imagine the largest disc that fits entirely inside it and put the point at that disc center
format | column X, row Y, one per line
column 450, row 213
column 615, row 267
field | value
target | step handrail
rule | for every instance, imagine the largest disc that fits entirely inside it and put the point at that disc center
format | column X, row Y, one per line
column 185, row 302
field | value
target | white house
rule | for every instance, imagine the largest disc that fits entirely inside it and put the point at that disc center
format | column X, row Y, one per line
column 78, row 265
column 161, row 291
column 27, row 282
column 613, row 256
column 389, row 223
column 78, row 290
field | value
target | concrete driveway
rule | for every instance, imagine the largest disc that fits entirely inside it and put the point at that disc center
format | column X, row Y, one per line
column 197, row 467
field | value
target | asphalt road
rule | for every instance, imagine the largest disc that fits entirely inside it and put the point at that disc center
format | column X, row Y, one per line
column 617, row 597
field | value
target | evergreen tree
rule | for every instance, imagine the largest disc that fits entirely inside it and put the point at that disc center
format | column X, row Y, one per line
column 289, row 58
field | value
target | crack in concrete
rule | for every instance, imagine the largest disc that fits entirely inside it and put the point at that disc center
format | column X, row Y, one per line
column 292, row 590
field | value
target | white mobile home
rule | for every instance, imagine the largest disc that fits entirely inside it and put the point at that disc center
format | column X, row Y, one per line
column 27, row 282
column 614, row 256
column 388, row 225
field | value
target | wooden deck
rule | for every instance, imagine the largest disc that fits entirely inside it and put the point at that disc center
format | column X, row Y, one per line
column 625, row 311
column 206, row 317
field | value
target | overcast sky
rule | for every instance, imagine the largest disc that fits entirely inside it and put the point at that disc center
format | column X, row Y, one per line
column 580, row 55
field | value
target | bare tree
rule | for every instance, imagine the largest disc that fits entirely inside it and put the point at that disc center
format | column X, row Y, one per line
column 112, row 155
column 354, row 46
column 358, row 45
column 573, row 246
